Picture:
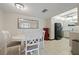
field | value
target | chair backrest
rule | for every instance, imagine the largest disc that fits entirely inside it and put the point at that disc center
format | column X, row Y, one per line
column 4, row 38
column 41, row 39
column 33, row 35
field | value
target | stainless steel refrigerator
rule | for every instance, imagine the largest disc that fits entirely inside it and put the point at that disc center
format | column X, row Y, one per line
column 58, row 31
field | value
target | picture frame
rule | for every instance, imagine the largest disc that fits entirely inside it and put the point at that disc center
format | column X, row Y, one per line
column 27, row 24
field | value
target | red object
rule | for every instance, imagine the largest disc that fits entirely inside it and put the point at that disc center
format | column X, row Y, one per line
column 46, row 37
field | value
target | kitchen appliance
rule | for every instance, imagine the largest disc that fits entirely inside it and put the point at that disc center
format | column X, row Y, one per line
column 58, row 31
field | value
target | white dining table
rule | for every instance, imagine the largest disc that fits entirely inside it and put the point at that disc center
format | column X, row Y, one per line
column 20, row 38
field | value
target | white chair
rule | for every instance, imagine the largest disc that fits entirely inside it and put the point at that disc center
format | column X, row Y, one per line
column 43, row 37
column 6, row 42
column 34, row 41
column 3, row 42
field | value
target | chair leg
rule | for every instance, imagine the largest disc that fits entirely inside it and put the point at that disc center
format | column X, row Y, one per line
column 19, row 50
column 5, row 51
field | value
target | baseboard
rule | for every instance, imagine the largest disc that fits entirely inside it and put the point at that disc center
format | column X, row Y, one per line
column 49, row 39
column 65, row 37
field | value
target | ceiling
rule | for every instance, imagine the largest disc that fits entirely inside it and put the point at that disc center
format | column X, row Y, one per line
column 35, row 9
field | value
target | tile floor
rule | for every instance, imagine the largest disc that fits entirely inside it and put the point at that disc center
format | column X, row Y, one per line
column 56, row 47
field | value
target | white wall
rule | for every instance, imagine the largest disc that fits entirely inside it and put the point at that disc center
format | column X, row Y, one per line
column 52, row 29
column 10, row 22
column 47, row 23
column 1, row 20
column 1, row 27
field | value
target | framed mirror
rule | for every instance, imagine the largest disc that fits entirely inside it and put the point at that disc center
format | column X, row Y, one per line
column 27, row 24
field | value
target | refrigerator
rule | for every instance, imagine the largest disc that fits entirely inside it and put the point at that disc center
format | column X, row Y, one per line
column 58, row 31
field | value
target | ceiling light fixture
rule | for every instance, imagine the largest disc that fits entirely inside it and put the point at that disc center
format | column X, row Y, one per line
column 19, row 6
column 44, row 10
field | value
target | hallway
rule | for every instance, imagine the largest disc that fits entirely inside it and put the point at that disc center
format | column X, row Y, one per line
column 56, row 47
